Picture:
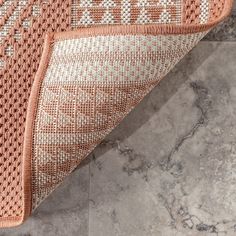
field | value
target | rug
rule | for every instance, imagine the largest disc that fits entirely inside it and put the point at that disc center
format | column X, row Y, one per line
column 70, row 71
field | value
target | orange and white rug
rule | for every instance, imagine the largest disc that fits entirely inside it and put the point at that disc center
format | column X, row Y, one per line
column 70, row 71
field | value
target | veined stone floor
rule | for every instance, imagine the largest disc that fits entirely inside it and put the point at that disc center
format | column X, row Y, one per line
column 169, row 169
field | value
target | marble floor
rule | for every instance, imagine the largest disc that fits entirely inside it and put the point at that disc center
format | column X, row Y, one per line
column 169, row 169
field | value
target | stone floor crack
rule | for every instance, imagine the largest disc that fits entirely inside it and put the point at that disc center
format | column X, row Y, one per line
column 168, row 206
column 202, row 102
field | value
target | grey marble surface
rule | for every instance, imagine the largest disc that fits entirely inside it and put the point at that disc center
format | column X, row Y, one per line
column 167, row 170
column 226, row 31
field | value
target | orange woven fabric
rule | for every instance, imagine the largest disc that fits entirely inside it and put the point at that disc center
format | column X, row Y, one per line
column 145, row 37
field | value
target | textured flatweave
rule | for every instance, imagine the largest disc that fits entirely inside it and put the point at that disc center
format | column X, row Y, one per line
column 70, row 71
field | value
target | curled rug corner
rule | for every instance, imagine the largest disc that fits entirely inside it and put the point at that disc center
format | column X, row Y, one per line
column 98, row 61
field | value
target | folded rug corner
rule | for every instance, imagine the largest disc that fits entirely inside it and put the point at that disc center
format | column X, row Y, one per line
column 71, row 70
